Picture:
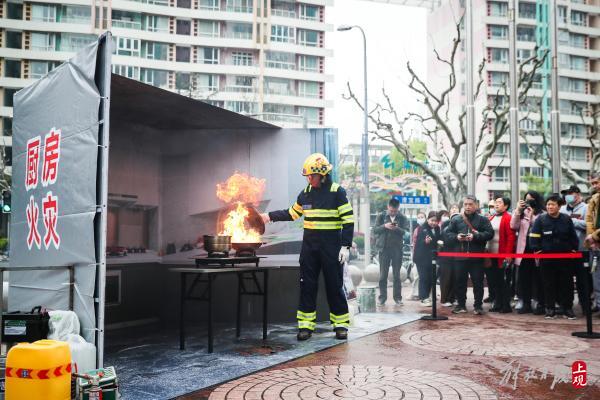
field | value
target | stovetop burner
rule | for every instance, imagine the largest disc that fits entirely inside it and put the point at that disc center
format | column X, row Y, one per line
column 245, row 253
column 218, row 254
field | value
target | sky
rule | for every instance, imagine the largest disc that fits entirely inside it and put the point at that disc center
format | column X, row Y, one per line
column 395, row 34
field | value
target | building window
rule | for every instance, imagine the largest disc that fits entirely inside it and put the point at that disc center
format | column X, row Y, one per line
column 245, row 84
column 573, row 131
column 308, row 38
column 500, row 174
column 528, row 125
column 182, row 81
column 283, row 9
column 8, row 97
column 280, row 60
column 498, row 9
column 242, row 107
column 156, row 23
column 75, row 41
column 572, row 85
column 208, row 29
column 241, row 6
column 499, row 55
column 578, row 18
column 498, row 78
column 279, row 86
column 210, row 4
column 523, row 54
column 207, row 82
column 577, row 154
column 308, row 89
column 14, row 40
column 501, row 150
column 311, row 116
column 578, row 63
column 563, row 37
column 75, row 14
column 208, row 55
column 498, row 32
column 14, row 10
column 242, row 58
column 184, row 27
column 184, row 3
column 241, row 31
column 282, row 33
column 7, row 129
column 182, row 54
column 127, row 71
column 526, row 34
column 309, row 12
column 128, row 47
column 12, row 68
column 577, row 40
column 154, row 77
column 562, row 14
column 43, row 13
column 308, row 63
column 130, row 20
column 526, row 10
column 155, row 51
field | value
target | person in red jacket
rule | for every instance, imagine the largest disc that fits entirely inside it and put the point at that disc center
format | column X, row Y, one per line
column 503, row 242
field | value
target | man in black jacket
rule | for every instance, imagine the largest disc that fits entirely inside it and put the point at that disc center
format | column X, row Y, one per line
column 389, row 231
column 468, row 233
column 554, row 232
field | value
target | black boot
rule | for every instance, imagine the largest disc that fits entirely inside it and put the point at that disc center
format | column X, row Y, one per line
column 304, row 334
column 526, row 309
column 341, row 333
column 539, row 309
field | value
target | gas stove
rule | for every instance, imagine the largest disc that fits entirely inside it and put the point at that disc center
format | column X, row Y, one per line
column 223, row 259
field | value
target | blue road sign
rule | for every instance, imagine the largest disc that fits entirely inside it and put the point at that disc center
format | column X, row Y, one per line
column 414, row 201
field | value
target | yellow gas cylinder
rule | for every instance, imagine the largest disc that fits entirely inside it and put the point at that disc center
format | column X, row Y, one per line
column 39, row 371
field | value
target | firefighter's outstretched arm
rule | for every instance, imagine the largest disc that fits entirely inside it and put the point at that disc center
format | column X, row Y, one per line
column 289, row 214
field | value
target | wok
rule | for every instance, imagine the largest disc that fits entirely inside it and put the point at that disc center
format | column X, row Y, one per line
column 253, row 220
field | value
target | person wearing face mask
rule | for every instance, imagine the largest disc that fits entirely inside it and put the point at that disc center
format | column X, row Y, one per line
column 529, row 279
column 425, row 244
column 592, row 240
column 554, row 232
column 389, row 230
column 503, row 242
column 577, row 210
column 446, row 264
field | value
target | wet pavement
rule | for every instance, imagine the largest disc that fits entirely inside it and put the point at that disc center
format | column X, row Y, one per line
column 467, row 357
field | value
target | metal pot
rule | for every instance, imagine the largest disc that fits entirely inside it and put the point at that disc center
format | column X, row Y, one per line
column 217, row 244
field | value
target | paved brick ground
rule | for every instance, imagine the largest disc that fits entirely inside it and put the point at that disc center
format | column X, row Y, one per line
column 351, row 382
column 468, row 357
column 494, row 342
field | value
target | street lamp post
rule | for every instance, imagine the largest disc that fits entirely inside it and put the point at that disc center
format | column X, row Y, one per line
column 365, row 208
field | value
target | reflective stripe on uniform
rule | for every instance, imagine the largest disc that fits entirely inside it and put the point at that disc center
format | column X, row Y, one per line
column 317, row 225
column 348, row 219
column 344, row 208
column 306, row 325
column 334, row 187
column 341, row 325
column 321, row 213
column 344, row 318
column 302, row 316
column 535, row 235
column 295, row 211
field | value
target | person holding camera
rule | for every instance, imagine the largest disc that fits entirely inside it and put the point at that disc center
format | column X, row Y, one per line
column 425, row 244
column 529, row 278
column 389, row 230
column 469, row 232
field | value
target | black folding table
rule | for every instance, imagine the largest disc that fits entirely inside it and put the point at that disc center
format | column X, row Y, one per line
column 248, row 285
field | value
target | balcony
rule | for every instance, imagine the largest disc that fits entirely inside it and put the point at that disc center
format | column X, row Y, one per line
column 126, row 24
column 283, row 13
column 240, row 89
column 239, row 9
column 280, row 65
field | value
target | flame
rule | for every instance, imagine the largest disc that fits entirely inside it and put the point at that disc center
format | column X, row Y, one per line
column 235, row 226
column 241, row 187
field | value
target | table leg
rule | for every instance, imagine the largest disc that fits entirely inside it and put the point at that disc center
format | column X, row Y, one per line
column 181, row 312
column 238, row 326
column 265, row 302
column 210, row 316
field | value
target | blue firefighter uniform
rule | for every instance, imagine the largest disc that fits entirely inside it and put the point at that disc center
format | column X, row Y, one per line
column 328, row 225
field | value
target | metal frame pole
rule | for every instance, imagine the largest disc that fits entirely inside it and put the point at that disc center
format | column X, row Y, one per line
column 514, row 96
column 366, row 210
column 104, row 80
column 555, row 113
column 470, row 123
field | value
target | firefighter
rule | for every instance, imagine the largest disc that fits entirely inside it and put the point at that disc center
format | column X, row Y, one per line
column 328, row 230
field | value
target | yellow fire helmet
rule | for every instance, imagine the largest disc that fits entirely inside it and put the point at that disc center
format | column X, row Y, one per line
column 316, row 163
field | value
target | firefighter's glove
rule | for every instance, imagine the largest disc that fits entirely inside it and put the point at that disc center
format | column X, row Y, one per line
column 344, row 255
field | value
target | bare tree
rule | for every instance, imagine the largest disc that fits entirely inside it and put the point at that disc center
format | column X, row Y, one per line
column 443, row 123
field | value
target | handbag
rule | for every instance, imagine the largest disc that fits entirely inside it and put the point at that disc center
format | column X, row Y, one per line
column 487, row 262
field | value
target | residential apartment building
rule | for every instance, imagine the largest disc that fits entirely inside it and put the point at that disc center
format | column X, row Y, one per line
column 579, row 77
column 264, row 58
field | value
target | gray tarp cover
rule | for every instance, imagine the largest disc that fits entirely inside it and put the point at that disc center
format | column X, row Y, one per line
column 66, row 99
